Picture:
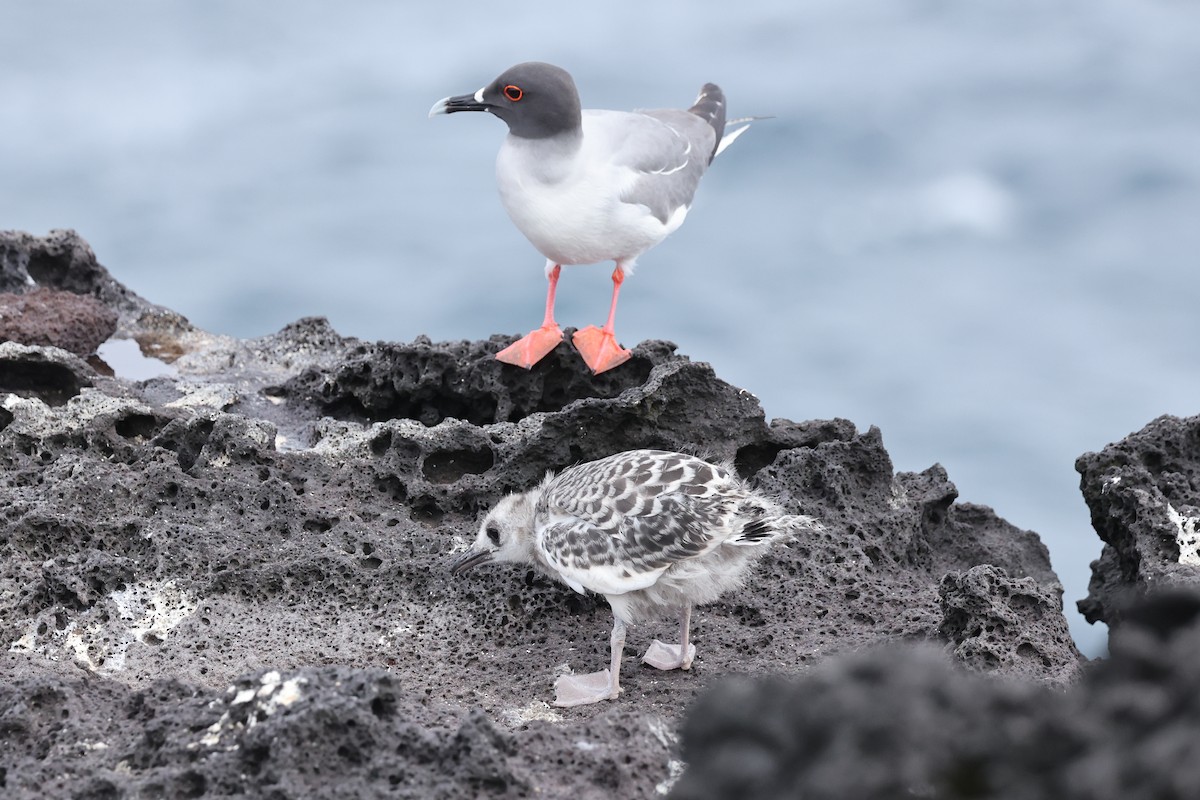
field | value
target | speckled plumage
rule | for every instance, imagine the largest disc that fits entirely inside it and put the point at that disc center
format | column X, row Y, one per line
column 650, row 530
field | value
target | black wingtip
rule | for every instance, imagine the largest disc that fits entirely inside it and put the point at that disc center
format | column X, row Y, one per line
column 710, row 107
column 756, row 530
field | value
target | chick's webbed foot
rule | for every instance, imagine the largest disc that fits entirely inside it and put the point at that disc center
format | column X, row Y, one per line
column 581, row 690
column 669, row 656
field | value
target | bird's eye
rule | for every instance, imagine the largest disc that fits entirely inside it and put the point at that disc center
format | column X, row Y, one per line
column 513, row 92
column 494, row 534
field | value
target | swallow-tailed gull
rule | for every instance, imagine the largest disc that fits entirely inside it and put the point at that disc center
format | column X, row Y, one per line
column 648, row 529
column 590, row 185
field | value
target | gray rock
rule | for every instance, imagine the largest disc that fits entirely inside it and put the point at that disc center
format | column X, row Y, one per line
column 280, row 513
column 52, row 375
column 903, row 721
column 1144, row 497
column 999, row 623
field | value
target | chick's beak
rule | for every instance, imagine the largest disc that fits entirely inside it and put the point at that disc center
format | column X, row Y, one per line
column 468, row 560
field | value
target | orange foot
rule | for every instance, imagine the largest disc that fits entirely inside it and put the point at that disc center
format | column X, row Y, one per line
column 531, row 348
column 599, row 349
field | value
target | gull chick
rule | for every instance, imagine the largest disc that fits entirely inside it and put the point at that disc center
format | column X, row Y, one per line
column 651, row 530
column 587, row 185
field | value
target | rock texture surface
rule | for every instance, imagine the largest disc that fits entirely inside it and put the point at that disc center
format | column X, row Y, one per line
column 1144, row 495
column 65, row 320
column 231, row 581
column 905, row 722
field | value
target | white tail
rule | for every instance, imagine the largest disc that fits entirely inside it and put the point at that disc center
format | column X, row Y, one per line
column 729, row 137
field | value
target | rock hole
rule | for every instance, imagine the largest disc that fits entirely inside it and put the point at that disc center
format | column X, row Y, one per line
column 255, row 756
column 51, row 383
column 753, row 457
column 447, row 466
column 428, row 513
column 381, row 443
column 191, row 784
column 392, row 487
column 317, row 525
column 384, row 706
column 350, row 753
column 137, row 426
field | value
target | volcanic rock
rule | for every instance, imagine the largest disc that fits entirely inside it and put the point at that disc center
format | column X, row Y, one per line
column 904, row 721
column 1144, row 496
column 231, row 580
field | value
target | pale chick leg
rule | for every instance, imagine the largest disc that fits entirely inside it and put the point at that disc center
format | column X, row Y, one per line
column 580, row 690
column 674, row 656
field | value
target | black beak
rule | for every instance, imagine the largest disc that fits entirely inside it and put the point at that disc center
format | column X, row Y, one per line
column 464, row 102
column 469, row 559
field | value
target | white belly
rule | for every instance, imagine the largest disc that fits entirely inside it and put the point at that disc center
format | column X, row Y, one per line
column 575, row 216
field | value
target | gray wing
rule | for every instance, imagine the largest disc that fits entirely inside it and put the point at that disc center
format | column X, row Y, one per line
column 616, row 524
column 634, row 553
column 668, row 149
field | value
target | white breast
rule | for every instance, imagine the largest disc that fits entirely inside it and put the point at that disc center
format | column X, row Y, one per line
column 567, row 203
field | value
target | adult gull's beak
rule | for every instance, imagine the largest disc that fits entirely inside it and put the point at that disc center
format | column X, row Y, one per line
column 464, row 102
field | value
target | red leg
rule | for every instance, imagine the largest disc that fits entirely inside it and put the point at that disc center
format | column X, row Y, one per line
column 598, row 346
column 533, row 347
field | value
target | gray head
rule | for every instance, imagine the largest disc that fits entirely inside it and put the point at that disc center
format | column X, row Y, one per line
column 536, row 100
column 506, row 534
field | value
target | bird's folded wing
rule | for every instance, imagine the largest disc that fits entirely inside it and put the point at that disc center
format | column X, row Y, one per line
column 664, row 152
column 612, row 553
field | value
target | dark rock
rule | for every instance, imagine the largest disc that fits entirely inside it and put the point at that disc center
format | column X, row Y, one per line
column 883, row 723
column 876, row 572
column 895, row 721
column 289, row 505
column 343, row 728
column 1144, row 497
column 48, row 374
column 63, row 261
column 998, row 622
column 59, row 319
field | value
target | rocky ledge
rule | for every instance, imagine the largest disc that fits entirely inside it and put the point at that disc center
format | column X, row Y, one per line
column 230, row 579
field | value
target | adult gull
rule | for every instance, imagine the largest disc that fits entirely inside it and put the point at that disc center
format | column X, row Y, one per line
column 586, row 186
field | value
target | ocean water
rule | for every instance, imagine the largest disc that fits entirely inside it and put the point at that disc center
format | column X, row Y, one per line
column 974, row 225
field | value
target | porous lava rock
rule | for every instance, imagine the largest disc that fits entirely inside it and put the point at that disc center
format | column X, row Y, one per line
column 996, row 621
column 63, row 261
column 231, row 580
column 49, row 374
column 65, row 320
column 1144, row 496
column 904, row 721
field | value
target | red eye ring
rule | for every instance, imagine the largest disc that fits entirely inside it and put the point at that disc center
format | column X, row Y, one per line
column 513, row 92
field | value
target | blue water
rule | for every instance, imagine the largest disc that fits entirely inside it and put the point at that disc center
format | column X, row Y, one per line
column 972, row 224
